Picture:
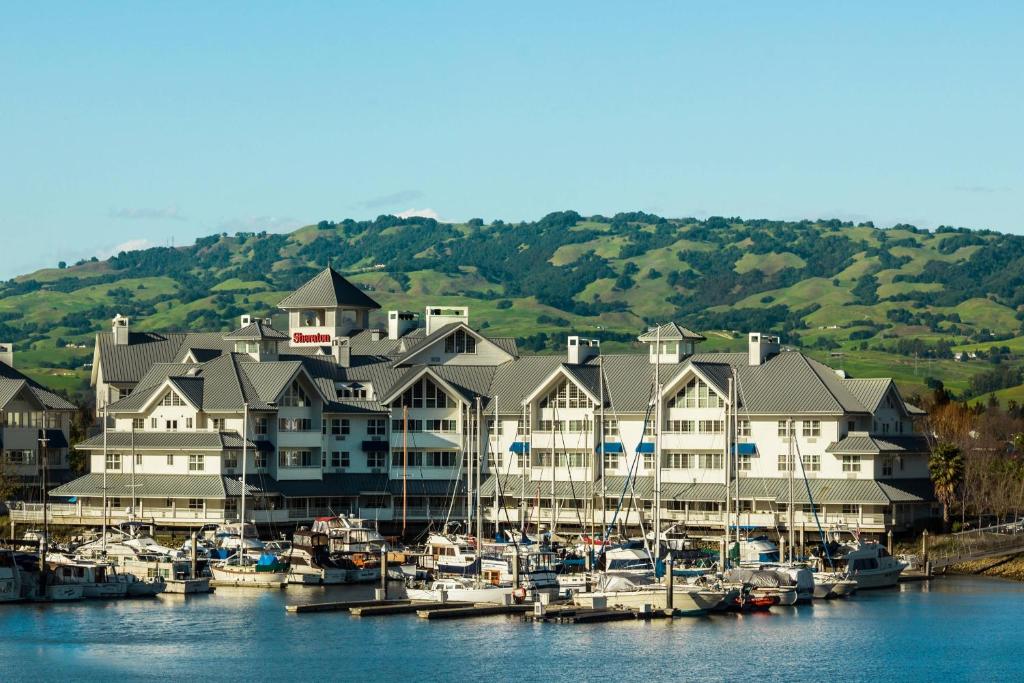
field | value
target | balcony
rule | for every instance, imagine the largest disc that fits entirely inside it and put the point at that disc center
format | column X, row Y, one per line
column 75, row 514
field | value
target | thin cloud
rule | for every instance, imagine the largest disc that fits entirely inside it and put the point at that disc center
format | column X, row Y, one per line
column 419, row 213
column 136, row 244
column 391, row 200
column 981, row 189
column 170, row 213
column 260, row 223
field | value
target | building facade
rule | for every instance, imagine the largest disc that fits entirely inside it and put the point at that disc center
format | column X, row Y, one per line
column 398, row 424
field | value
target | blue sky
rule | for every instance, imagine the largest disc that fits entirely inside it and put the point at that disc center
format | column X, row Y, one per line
column 141, row 123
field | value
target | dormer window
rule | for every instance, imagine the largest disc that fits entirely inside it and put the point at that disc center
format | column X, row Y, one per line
column 696, row 394
column 566, row 395
column 172, row 399
column 353, row 390
column 459, row 342
column 295, row 397
column 425, row 394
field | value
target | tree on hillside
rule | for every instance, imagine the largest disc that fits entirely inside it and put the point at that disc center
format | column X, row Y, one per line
column 946, row 467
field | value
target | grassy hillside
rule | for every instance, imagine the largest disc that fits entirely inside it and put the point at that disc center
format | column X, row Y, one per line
column 898, row 302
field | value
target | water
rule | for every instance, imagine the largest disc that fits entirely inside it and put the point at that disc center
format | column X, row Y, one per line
column 957, row 628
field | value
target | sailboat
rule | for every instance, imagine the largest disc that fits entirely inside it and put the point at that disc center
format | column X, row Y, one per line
column 240, row 569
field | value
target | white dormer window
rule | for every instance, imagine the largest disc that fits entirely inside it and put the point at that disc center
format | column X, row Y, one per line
column 295, row 397
column 459, row 342
column 425, row 394
column 566, row 395
column 696, row 394
column 172, row 399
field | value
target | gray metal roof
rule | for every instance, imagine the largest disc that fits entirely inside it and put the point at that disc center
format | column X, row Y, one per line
column 832, row 491
column 146, row 486
column 328, row 289
column 13, row 382
column 256, row 331
column 429, row 487
column 512, row 486
column 862, row 443
column 333, row 485
column 670, row 332
column 164, row 441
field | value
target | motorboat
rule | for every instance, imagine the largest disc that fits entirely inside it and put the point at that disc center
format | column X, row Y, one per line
column 833, row 585
column 455, row 555
column 674, row 539
column 350, row 534
column 627, row 560
column 536, row 570
column 635, row 591
column 866, row 562
column 754, row 551
column 97, row 579
column 460, row 589
column 767, row 583
column 309, row 560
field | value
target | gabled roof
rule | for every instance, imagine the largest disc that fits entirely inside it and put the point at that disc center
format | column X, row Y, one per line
column 862, row 443
column 13, row 382
column 869, row 392
column 257, row 330
column 145, row 486
column 670, row 332
column 415, row 346
column 165, row 441
column 328, row 289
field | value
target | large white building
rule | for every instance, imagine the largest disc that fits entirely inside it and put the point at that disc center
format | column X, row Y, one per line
column 340, row 417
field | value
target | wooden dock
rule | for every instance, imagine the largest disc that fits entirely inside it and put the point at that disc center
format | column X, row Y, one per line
column 472, row 611
column 407, row 608
column 214, row 583
column 341, row 606
column 586, row 615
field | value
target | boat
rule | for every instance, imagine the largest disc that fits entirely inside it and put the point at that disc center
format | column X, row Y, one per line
column 10, row 577
column 309, row 559
column 98, row 579
column 242, row 570
column 674, row 539
column 829, row 585
column 866, row 562
column 767, row 582
column 755, row 551
column 460, row 589
column 633, row 590
column 451, row 555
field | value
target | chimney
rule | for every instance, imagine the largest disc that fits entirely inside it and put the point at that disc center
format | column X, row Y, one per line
column 401, row 323
column 245, row 320
column 120, row 330
column 376, row 335
column 439, row 316
column 761, row 347
column 582, row 350
column 342, row 352
column 269, row 322
column 7, row 354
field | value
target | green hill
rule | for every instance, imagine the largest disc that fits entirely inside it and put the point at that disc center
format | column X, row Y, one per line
column 896, row 302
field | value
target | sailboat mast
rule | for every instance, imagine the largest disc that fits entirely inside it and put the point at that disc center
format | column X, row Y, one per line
column 735, row 459
column 245, row 457
column 133, row 471
column 657, row 448
column 104, row 524
column 554, row 428
column 789, row 507
column 479, row 468
column 600, row 436
column 43, row 443
column 497, row 446
column 726, row 533
column 405, row 464
column 467, row 450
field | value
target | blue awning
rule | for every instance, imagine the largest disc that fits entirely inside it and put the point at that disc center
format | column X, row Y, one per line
column 745, row 448
column 519, row 447
column 611, row 448
column 645, row 447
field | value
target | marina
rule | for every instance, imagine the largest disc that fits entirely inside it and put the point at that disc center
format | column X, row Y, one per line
column 251, row 635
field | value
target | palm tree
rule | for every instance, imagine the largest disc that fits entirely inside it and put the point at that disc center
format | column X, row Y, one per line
column 946, row 467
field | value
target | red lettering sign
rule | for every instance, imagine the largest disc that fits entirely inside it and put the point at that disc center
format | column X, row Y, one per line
column 299, row 338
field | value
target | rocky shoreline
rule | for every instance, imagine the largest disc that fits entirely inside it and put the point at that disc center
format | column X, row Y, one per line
column 1002, row 567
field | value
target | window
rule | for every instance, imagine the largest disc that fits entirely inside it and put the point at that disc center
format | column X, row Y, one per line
column 743, row 428
column 696, row 394
column 681, row 426
column 744, row 462
column 217, row 423
column 680, row 461
column 376, row 427
column 579, row 425
column 425, row 394
column 171, row 425
column 295, row 397
column 138, row 459
column 496, row 460
column 784, row 428
column 649, row 462
column 811, row 463
column 260, row 461
column 353, row 390
column 459, row 342
column 339, row 459
column 440, row 425
column 261, row 426
column 650, row 428
column 196, row 463
column 375, row 459
column 23, row 457
column 571, row 459
column 152, row 423
column 523, row 426
column 374, row 502
column 786, row 462
column 711, row 426
column 849, row 509
column 811, row 427
column 611, row 461
column 551, row 425
column 295, row 458
column 195, row 504
column 566, row 395
column 402, row 424
column 887, row 466
column 188, row 423
column 339, row 427
column 851, row 426
column 710, row 461
column 295, row 424
column 170, row 461
column 138, row 423
column 114, row 502
column 440, row 458
column 113, row 461
column 851, row 463
column 611, row 427
column 230, row 459
column 171, row 399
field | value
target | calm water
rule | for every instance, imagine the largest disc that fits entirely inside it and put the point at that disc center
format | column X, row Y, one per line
column 956, row 629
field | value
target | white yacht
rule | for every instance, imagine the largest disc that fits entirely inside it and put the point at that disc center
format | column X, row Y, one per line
column 459, row 589
column 309, row 560
column 634, row 590
column 242, row 570
column 866, row 562
column 97, row 579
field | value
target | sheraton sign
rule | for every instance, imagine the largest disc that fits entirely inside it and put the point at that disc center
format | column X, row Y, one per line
column 318, row 338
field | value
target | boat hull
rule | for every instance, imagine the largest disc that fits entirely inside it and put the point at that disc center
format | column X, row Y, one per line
column 686, row 602
column 316, row 576
column 882, row 578
column 248, row 576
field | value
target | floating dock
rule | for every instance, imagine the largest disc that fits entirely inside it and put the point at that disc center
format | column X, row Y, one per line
column 341, row 606
column 407, row 608
column 259, row 584
column 569, row 614
column 473, row 611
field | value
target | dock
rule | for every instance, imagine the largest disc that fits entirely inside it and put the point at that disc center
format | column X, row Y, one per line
column 569, row 614
column 341, row 606
column 214, row 583
column 407, row 608
column 472, row 611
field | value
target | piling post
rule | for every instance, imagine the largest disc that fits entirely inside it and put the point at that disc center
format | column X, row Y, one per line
column 515, row 566
column 722, row 560
column 782, row 548
column 384, row 570
column 803, row 546
column 194, row 551
column 924, row 547
column 889, row 544
column 669, row 588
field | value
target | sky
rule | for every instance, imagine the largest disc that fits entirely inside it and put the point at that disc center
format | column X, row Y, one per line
column 125, row 125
